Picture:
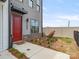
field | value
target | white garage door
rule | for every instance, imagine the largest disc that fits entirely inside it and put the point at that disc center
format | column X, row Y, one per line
column 1, row 28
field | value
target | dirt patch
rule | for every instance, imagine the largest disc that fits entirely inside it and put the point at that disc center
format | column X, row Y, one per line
column 20, row 43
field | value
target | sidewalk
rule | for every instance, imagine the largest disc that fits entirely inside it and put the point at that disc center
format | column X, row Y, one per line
column 37, row 52
column 6, row 55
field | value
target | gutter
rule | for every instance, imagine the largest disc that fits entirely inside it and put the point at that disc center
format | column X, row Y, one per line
column 42, row 17
column 9, row 25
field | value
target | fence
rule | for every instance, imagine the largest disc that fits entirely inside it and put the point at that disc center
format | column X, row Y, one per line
column 76, row 37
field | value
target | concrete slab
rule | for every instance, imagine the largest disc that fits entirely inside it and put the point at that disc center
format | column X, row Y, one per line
column 6, row 55
column 28, row 49
column 50, row 54
column 37, row 52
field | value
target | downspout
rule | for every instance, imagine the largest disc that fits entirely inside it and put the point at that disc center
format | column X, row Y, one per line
column 42, row 17
column 9, row 25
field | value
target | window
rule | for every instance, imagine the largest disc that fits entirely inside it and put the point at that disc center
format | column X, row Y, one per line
column 31, row 3
column 34, row 26
column 21, row 0
column 38, row 8
column 38, row 5
column 38, row 2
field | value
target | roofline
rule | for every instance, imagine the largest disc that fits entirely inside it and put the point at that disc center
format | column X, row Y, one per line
column 3, row 0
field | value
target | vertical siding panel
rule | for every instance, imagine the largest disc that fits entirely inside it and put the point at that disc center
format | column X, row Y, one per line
column 0, row 27
column 5, row 25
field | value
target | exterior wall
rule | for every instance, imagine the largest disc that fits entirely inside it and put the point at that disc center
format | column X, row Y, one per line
column 4, row 26
column 32, row 13
column 0, row 26
column 61, row 31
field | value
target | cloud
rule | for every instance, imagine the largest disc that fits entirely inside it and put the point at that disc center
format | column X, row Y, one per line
column 51, row 20
column 59, row 20
column 45, row 9
column 74, row 17
column 61, row 17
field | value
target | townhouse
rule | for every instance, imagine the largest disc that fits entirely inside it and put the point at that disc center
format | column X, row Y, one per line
column 19, row 18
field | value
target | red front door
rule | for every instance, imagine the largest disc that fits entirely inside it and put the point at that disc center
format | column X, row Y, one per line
column 17, row 27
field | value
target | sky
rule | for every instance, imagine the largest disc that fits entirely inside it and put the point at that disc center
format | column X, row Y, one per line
column 58, row 13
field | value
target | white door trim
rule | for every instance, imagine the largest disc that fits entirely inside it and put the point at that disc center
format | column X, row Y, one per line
column 1, row 27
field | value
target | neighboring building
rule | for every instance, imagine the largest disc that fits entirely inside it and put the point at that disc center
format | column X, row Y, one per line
column 25, row 18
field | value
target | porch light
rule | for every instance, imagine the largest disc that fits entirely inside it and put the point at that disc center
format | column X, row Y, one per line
column 27, row 19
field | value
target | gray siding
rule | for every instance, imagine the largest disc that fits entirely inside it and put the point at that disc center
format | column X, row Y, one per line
column 32, row 13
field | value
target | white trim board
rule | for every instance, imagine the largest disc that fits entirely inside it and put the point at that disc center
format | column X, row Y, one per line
column 1, row 17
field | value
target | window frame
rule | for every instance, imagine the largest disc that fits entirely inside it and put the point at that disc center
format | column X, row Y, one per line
column 38, row 5
column 20, row 1
column 38, row 8
column 31, row 3
column 34, row 28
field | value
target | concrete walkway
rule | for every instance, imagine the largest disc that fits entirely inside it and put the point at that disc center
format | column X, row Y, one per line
column 6, row 55
column 37, row 52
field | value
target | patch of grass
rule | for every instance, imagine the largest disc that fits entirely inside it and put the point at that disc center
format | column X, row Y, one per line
column 65, row 39
column 17, row 54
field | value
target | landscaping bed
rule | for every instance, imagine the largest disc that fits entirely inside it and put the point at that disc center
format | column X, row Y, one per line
column 62, row 44
column 17, row 54
column 50, row 42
